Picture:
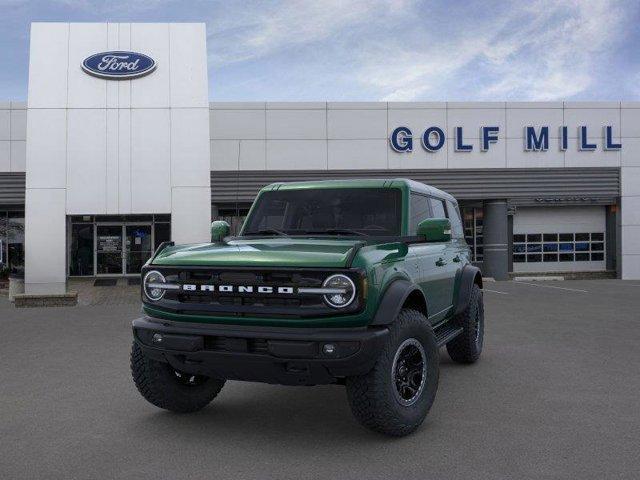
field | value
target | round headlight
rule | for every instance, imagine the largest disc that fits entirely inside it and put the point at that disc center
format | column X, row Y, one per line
column 150, row 283
column 344, row 291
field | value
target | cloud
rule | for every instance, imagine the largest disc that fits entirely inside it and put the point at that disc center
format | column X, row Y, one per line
column 263, row 28
column 547, row 50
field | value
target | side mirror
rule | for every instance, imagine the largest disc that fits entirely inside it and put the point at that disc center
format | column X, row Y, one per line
column 435, row 229
column 219, row 230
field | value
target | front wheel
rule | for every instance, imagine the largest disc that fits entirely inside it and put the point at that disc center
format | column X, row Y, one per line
column 396, row 395
column 167, row 388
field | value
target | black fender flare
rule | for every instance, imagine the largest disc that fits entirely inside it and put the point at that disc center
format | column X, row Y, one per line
column 393, row 299
column 468, row 277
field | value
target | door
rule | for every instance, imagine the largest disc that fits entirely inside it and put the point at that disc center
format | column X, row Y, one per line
column 109, row 259
column 432, row 262
column 448, row 261
column 138, row 247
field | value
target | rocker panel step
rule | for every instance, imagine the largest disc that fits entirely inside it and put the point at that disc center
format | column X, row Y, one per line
column 446, row 333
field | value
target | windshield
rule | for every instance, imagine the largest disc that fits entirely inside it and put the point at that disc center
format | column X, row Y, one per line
column 330, row 211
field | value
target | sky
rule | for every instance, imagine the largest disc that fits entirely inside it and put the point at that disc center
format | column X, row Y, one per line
column 377, row 50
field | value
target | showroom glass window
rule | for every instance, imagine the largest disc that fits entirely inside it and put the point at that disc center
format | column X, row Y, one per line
column 12, row 239
column 558, row 247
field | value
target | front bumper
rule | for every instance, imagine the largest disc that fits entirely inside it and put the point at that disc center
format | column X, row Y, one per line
column 280, row 355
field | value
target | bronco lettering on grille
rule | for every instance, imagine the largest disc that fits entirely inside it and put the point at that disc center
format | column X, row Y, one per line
column 190, row 287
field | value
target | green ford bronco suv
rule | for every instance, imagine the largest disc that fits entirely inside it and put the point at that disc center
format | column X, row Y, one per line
column 355, row 282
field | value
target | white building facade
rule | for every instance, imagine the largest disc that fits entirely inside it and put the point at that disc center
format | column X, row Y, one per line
column 95, row 171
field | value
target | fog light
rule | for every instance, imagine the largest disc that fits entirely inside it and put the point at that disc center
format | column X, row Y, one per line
column 157, row 338
column 329, row 348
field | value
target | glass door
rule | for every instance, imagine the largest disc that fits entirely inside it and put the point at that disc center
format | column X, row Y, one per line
column 138, row 247
column 109, row 257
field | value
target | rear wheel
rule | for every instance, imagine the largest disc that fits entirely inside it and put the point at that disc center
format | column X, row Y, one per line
column 396, row 395
column 467, row 347
column 167, row 388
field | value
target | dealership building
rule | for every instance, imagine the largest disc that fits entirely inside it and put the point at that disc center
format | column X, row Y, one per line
column 117, row 148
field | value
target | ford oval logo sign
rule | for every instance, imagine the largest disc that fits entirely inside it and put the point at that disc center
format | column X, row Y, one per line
column 118, row 65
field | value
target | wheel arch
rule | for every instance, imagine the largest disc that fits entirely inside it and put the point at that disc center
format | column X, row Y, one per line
column 469, row 276
column 399, row 294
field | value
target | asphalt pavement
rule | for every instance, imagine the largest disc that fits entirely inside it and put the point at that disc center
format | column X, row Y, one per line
column 555, row 395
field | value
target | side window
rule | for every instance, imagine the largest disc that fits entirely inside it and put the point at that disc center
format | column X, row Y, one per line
column 419, row 205
column 456, row 222
column 437, row 206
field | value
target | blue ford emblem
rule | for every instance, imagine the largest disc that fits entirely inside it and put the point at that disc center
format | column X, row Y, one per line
column 118, row 65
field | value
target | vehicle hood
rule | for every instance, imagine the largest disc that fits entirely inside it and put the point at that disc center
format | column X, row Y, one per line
column 264, row 252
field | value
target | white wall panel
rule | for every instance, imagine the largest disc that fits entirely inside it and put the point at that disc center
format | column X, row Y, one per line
column 598, row 158
column 495, row 157
column 296, row 124
column 150, row 161
column 152, row 91
column 190, row 222
column 253, row 155
column 47, row 148
column 18, row 156
column 630, row 181
column 357, row 154
column 224, row 154
column 592, row 118
column 124, row 86
column 190, row 165
column 356, row 124
column 471, row 119
column 296, row 154
column 418, row 120
column 630, row 153
column 418, row 158
column 631, row 239
column 188, row 53
column 630, row 120
column 630, row 267
column 18, row 124
column 5, row 156
column 519, row 118
column 5, row 124
column 237, row 124
column 86, row 161
column 124, row 161
column 86, row 91
column 113, row 43
column 630, row 211
column 45, row 241
column 112, row 162
column 517, row 157
column 48, row 63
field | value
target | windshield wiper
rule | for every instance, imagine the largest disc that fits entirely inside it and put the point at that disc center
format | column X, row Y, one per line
column 268, row 231
column 337, row 231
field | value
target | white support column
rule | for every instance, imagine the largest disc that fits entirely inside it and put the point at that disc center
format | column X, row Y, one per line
column 630, row 191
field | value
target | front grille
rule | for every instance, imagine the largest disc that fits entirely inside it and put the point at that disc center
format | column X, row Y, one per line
column 245, row 303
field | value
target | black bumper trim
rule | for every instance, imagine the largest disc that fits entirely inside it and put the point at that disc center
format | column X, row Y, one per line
column 280, row 355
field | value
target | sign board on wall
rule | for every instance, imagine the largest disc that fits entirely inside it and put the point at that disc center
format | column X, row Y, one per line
column 118, row 65
column 535, row 139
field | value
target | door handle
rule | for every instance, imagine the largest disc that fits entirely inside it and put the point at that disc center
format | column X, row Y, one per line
column 456, row 259
column 440, row 262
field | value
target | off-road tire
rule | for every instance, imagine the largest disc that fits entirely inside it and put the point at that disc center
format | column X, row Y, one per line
column 467, row 347
column 160, row 386
column 372, row 397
